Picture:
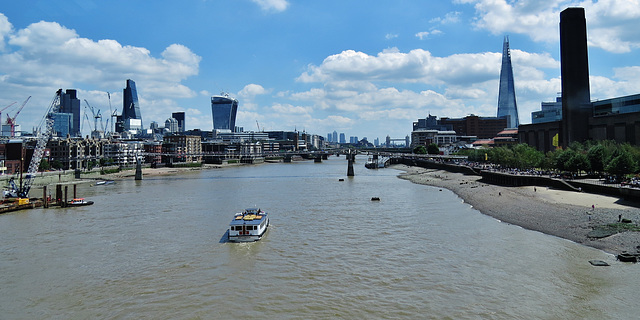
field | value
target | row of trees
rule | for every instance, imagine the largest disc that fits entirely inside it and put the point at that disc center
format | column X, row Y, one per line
column 45, row 165
column 592, row 156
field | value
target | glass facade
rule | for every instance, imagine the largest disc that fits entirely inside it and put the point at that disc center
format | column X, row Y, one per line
column 224, row 111
column 62, row 124
column 69, row 103
column 180, row 117
column 627, row 104
column 130, row 108
column 507, row 106
column 551, row 111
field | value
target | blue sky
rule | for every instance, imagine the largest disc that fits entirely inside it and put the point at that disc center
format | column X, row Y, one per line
column 365, row 68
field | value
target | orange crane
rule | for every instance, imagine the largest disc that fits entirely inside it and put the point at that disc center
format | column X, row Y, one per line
column 12, row 120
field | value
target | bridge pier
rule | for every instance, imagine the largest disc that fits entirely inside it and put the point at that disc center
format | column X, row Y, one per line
column 350, row 160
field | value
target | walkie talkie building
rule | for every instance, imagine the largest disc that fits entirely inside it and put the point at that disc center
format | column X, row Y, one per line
column 224, row 111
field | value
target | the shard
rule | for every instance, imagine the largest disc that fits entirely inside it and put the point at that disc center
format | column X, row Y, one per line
column 507, row 106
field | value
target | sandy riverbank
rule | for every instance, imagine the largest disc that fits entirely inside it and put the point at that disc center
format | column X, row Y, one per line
column 163, row 171
column 564, row 214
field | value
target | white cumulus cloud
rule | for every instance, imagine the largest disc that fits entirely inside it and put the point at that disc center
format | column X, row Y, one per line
column 611, row 24
column 422, row 35
column 5, row 29
column 45, row 56
column 252, row 90
column 272, row 5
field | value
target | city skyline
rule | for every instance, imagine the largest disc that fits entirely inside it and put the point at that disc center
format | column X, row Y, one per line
column 310, row 66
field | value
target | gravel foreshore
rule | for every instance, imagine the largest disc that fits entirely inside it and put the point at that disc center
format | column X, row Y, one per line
column 565, row 214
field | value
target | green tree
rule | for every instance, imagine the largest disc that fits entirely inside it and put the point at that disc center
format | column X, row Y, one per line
column 420, row 150
column 56, row 164
column 433, row 149
column 577, row 162
column 622, row 164
column 502, row 156
column 92, row 164
column 562, row 157
column 44, row 165
column 526, row 157
column 598, row 156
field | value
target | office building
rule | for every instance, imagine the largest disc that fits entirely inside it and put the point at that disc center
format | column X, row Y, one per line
column 179, row 116
column 224, row 109
column 171, row 125
column 62, row 123
column 425, row 137
column 131, row 119
column 550, row 111
column 70, row 104
column 507, row 106
column 472, row 125
column 343, row 139
column 431, row 123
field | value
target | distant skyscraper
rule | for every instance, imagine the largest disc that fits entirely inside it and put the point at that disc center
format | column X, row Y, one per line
column 69, row 103
column 171, row 125
column 343, row 139
column 224, row 111
column 335, row 137
column 507, row 106
column 131, row 118
column 329, row 137
column 180, row 117
column 62, row 123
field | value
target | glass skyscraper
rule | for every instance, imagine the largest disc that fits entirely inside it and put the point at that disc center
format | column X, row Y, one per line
column 507, row 106
column 224, row 111
column 62, row 123
column 131, row 118
column 180, row 117
column 70, row 104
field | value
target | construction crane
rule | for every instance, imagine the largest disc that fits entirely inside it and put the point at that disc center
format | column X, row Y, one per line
column 96, row 116
column 41, row 142
column 5, row 108
column 86, row 117
column 112, row 114
column 258, row 125
column 11, row 121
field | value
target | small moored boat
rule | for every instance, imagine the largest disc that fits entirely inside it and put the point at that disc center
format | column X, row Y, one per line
column 79, row 202
column 104, row 182
column 248, row 226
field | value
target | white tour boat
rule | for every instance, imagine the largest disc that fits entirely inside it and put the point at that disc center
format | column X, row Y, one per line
column 249, row 225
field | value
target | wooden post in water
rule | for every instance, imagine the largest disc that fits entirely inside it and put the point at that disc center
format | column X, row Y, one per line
column 64, row 202
column 44, row 197
column 75, row 191
column 59, row 194
column 138, row 169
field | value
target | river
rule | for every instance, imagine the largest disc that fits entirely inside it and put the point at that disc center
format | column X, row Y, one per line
column 156, row 249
